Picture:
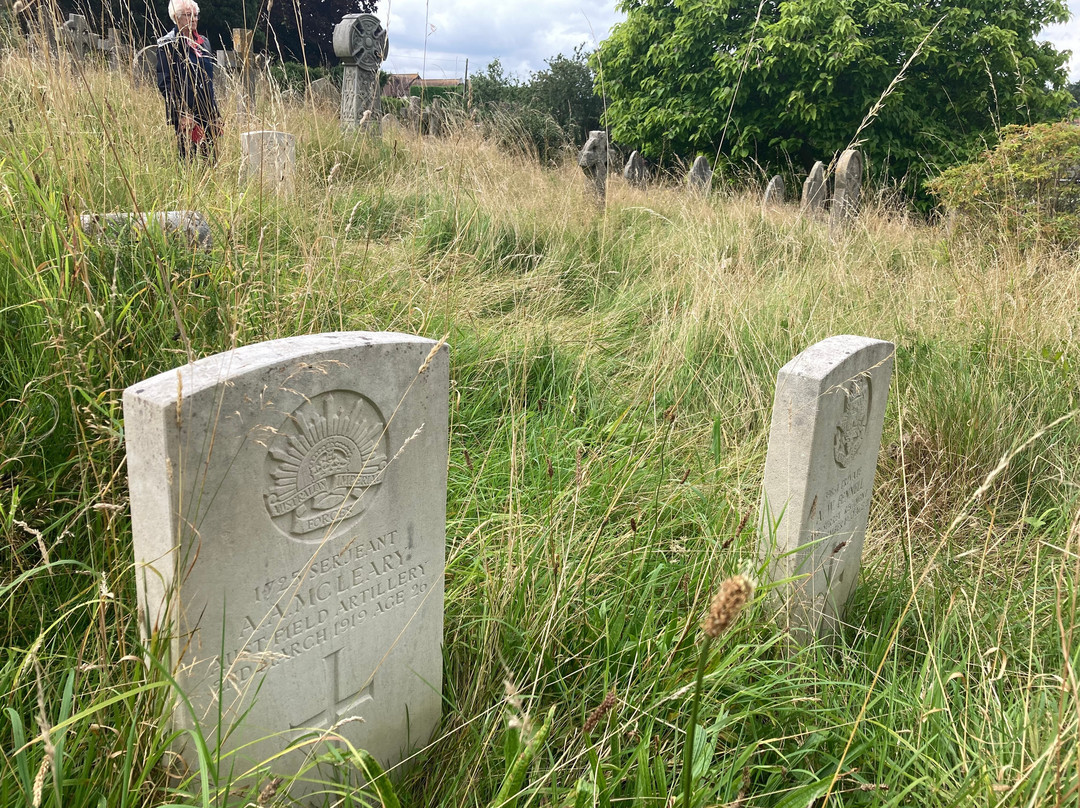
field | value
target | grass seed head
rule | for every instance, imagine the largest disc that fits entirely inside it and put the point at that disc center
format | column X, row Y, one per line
column 733, row 596
column 597, row 715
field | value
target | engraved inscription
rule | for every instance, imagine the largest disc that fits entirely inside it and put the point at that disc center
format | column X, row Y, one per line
column 337, row 592
column 837, row 510
column 337, row 707
column 323, row 464
column 851, row 429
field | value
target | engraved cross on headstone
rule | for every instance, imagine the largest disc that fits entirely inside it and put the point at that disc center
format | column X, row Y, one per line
column 337, row 707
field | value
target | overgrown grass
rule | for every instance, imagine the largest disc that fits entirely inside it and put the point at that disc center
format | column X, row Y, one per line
column 612, row 376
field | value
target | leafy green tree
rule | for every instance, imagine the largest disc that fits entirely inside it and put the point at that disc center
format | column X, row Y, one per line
column 565, row 91
column 493, row 86
column 1074, row 91
column 916, row 83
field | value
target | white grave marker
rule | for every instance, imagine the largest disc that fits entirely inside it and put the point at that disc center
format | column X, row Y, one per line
column 288, row 507
column 819, row 474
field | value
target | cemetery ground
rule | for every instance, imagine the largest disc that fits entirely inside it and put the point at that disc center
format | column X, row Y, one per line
column 612, row 373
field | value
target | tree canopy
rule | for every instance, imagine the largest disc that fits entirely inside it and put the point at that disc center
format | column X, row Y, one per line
column 918, row 84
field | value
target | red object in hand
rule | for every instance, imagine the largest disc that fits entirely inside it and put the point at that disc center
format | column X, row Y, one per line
column 197, row 133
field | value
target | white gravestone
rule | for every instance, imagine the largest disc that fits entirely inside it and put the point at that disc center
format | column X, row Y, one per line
column 819, row 475
column 593, row 160
column 361, row 42
column 634, row 172
column 847, row 188
column 774, row 193
column 269, row 158
column 699, row 179
column 288, row 508
column 813, row 189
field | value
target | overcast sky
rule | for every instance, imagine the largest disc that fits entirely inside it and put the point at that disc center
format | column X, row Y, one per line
column 523, row 34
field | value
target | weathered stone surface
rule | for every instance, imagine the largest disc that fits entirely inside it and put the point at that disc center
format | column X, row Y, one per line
column 593, row 160
column 634, row 172
column 699, row 180
column 288, row 510
column 774, row 193
column 813, row 189
column 190, row 224
column 78, row 37
column 361, row 42
column 323, row 92
column 847, row 187
column 269, row 158
column 144, row 66
column 824, row 439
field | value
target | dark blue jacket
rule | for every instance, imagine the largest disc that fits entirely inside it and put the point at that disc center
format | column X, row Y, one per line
column 185, row 76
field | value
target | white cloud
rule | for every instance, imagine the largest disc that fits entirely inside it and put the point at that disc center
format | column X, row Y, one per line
column 523, row 34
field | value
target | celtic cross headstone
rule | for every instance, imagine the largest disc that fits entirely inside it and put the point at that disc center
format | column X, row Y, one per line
column 361, row 42
column 824, row 439
column 288, row 509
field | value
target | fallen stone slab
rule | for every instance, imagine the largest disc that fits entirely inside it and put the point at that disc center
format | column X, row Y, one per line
column 188, row 223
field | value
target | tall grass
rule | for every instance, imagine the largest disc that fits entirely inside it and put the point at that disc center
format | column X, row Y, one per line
column 612, row 376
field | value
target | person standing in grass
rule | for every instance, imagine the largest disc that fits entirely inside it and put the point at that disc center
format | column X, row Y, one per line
column 185, row 77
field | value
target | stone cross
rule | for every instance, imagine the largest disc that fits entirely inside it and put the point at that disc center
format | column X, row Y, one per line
column 847, row 188
column 699, row 180
column 78, row 36
column 269, row 158
column 634, row 172
column 824, row 439
column 288, row 506
column 593, row 160
column 813, row 189
column 360, row 41
column 774, row 193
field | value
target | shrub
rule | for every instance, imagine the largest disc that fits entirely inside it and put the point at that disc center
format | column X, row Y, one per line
column 1027, row 186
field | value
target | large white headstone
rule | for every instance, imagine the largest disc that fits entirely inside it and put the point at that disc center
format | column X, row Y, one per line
column 819, row 475
column 288, row 509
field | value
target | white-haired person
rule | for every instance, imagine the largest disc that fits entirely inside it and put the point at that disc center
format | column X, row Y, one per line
column 185, row 77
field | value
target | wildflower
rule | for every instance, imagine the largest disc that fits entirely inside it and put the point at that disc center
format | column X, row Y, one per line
column 733, row 596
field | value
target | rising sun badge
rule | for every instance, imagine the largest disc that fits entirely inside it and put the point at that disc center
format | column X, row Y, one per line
column 324, row 464
column 854, row 419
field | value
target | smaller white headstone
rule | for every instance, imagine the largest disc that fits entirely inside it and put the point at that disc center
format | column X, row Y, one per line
column 635, row 172
column 269, row 158
column 819, row 475
column 700, row 178
column 774, row 193
column 813, row 189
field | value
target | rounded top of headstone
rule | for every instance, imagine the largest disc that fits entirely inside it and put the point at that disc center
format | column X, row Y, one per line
column 360, row 39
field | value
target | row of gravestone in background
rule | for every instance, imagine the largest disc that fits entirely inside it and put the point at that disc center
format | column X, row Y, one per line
column 594, row 160
column 292, row 578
